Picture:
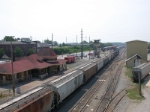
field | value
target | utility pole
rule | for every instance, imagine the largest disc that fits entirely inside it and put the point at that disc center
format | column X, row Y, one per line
column 52, row 40
column 13, row 85
column 139, row 77
column 81, row 44
column 76, row 40
column 89, row 47
column 66, row 40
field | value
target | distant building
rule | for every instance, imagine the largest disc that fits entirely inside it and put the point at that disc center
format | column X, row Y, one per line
column 41, row 46
column 24, row 44
column 136, row 52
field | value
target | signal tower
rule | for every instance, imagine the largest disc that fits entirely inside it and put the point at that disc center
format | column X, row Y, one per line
column 97, row 48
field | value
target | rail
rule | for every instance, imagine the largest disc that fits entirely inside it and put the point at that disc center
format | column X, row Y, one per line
column 82, row 104
column 107, row 97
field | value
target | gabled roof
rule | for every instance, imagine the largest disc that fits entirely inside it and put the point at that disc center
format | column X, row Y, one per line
column 37, row 61
column 5, row 57
column 47, row 53
column 18, row 66
column 136, row 55
column 28, row 63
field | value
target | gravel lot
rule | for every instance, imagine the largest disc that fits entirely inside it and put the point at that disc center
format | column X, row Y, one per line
column 129, row 105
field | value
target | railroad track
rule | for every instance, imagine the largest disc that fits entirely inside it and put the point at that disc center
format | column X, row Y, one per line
column 107, row 97
column 82, row 104
column 115, row 101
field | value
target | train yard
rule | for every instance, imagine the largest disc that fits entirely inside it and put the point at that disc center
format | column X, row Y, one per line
column 97, row 93
column 68, row 85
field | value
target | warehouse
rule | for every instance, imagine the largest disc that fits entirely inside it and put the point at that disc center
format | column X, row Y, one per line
column 136, row 52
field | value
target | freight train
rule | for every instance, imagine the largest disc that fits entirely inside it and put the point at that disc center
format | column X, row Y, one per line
column 51, row 94
column 143, row 70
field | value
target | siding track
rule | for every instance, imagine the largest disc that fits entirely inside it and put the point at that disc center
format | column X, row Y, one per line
column 112, row 73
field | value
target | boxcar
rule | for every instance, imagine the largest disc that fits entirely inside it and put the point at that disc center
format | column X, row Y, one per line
column 89, row 70
column 105, row 60
column 37, row 100
column 142, row 69
column 65, row 85
column 99, row 64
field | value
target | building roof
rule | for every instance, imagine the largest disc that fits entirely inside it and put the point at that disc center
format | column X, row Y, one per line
column 25, row 40
column 15, row 42
column 28, row 63
column 37, row 61
column 47, row 53
column 136, row 55
column 136, row 41
column 5, row 56
column 18, row 66
column 42, row 45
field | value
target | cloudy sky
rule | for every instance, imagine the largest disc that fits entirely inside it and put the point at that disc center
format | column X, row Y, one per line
column 108, row 20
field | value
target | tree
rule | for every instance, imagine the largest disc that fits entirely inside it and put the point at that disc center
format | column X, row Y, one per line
column 55, row 43
column 48, row 41
column 2, row 52
column 9, row 38
column 18, row 52
column 30, row 51
column 84, row 42
column 63, row 44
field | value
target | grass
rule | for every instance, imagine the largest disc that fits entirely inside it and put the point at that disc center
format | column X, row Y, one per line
column 129, row 72
column 134, row 93
column 5, row 94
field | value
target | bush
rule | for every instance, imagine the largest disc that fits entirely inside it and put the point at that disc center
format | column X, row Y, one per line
column 72, row 49
column 1, row 52
column 18, row 51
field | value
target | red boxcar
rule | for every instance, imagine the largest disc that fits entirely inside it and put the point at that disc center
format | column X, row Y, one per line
column 70, row 59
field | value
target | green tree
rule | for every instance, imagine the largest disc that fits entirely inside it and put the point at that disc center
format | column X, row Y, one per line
column 85, row 42
column 63, row 44
column 18, row 51
column 55, row 43
column 2, row 52
column 9, row 38
column 30, row 51
column 48, row 41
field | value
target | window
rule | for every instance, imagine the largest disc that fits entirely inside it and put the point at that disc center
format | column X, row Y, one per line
column 18, row 75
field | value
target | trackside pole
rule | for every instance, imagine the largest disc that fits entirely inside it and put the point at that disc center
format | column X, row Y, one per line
column 139, row 76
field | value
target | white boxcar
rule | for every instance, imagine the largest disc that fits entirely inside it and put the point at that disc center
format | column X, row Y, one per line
column 65, row 85
column 143, row 69
column 99, row 63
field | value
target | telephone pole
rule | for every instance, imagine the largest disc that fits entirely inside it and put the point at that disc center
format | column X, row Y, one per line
column 66, row 40
column 81, row 44
column 76, row 40
column 13, row 85
column 52, row 40
column 89, row 49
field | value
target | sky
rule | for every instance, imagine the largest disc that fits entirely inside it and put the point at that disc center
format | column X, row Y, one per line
column 107, row 20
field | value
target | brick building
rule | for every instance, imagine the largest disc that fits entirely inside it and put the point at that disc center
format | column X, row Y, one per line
column 24, row 44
